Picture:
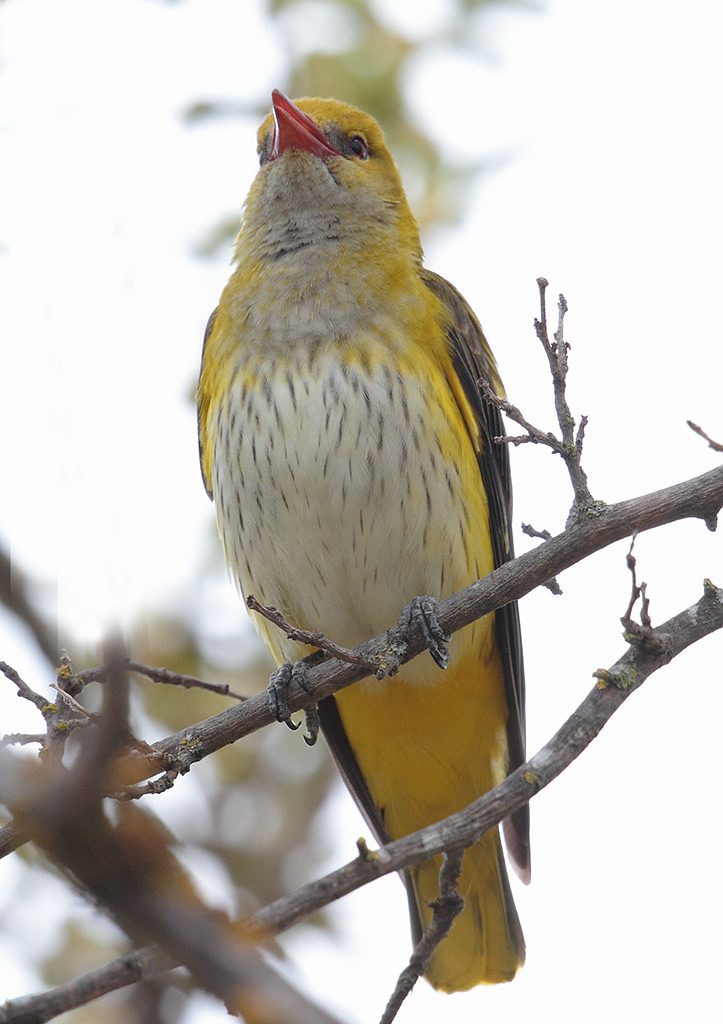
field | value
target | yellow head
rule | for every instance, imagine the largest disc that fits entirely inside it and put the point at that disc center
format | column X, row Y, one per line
column 326, row 174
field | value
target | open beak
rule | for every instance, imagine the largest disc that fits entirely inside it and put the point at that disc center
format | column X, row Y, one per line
column 293, row 129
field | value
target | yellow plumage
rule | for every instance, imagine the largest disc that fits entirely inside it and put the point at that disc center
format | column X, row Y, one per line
column 343, row 440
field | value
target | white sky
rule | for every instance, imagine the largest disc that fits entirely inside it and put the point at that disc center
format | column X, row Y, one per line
column 608, row 117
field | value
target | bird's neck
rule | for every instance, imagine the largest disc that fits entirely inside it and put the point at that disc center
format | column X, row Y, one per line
column 312, row 279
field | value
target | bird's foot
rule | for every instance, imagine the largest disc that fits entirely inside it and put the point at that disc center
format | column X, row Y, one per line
column 278, row 697
column 421, row 614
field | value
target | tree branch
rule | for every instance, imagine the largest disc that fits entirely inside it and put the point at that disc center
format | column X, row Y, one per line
column 14, row 594
column 138, row 965
column 700, row 498
column 614, row 685
column 129, row 867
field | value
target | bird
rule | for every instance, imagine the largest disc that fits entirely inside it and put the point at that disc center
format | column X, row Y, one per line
column 349, row 451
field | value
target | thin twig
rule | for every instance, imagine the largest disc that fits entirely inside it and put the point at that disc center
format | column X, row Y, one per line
column 530, row 531
column 305, row 636
column 445, row 909
column 534, row 434
column 557, row 352
column 638, row 632
column 170, row 678
column 715, row 445
column 22, row 739
column 24, row 691
column 150, row 788
column 165, row 676
column 570, row 444
column 552, row 585
column 72, row 703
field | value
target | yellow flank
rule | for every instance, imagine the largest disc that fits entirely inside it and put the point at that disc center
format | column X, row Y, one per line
column 342, row 455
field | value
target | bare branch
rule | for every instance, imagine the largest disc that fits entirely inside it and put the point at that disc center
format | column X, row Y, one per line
column 715, row 445
column 140, row 964
column 552, row 585
column 24, row 691
column 530, row 531
column 129, row 867
column 157, row 674
column 58, row 721
column 465, row 827
column 460, row 830
column 15, row 595
column 154, row 786
column 11, row 837
column 170, row 678
column 569, row 445
column 701, row 498
column 21, row 739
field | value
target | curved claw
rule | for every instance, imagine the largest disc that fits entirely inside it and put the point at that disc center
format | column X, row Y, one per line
column 313, row 725
column 277, row 693
column 422, row 613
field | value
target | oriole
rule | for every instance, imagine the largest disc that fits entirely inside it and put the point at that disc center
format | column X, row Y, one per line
column 347, row 447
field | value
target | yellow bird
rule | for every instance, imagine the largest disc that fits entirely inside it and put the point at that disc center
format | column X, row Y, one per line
column 348, row 449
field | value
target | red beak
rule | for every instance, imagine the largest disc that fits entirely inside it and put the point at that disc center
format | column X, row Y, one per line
column 293, row 129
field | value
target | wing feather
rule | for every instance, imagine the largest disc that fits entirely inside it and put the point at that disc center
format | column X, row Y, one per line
column 473, row 360
column 202, row 409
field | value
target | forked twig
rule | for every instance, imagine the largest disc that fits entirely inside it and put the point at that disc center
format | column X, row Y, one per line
column 642, row 632
column 569, row 444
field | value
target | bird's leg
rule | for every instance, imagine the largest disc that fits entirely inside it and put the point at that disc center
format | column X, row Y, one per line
column 278, row 691
column 420, row 613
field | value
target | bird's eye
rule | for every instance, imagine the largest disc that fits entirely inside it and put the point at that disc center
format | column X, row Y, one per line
column 359, row 147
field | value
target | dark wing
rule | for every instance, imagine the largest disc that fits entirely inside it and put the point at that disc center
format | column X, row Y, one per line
column 338, row 743
column 336, row 737
column 202, row 407
column 473, row 360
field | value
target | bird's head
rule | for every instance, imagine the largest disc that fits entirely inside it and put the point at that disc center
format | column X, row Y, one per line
column 326, row 174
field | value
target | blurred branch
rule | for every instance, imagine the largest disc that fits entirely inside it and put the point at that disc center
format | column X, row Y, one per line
column 138, row 965
column 128, row 866
column 14, row 595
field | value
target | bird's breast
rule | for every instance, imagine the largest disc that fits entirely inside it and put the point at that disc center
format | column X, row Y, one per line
column 345, row 484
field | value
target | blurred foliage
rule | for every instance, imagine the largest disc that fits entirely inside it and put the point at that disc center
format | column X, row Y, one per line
column 348, row 50
column 251, row 807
